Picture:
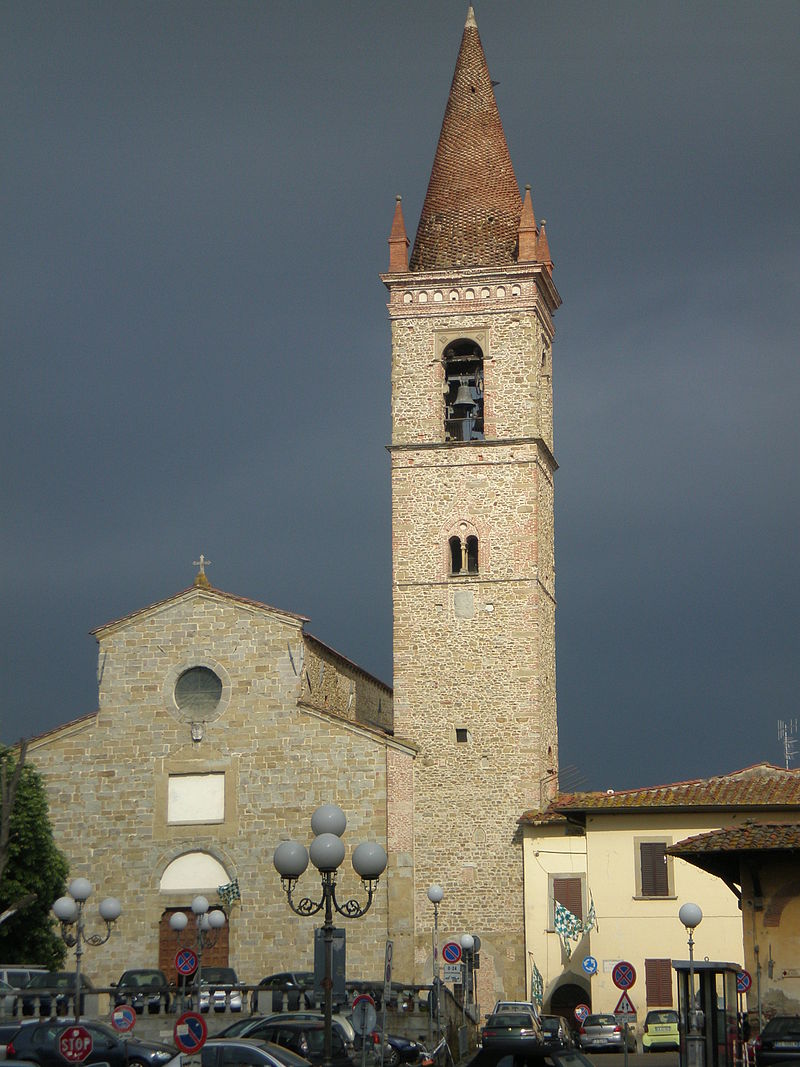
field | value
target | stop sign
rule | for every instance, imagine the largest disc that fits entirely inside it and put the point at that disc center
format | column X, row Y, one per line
column 75, row 1043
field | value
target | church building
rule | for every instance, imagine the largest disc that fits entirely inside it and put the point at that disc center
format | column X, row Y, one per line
column 222, row 723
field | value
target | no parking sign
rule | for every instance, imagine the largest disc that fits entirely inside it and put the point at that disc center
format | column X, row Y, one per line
column 190, row 1032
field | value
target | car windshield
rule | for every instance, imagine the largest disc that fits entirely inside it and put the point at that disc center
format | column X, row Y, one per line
column 655, row 1017
column 515, row 1019
column 600, row 1020
column 241, row 1026
column 225, row 975
column 782, row 1025
column 550, row 1025
column 51, row 981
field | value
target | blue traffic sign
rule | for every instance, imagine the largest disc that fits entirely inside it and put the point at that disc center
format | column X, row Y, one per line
column 186, row 961
column 590, row 965
column 623, row 976
column 452, row 952
column 123, row 1018
column 743, row 981
column 190, row 1032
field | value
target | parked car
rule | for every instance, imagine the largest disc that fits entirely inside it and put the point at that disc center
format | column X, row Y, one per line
column 540, row 1057
column 602, row 1033
column 38, row 995
column 38, row 1043
column 296, row 987
column 513, row 1031
column 143, row 988
column 260, row 1026
column 19, row 974
column 307, row 1039
column 516, row 1005
column 216, row 989
column 660, row 1031
column 236, row 1052
column 778, row 1041
column 7, row 1031
column 556, row 1032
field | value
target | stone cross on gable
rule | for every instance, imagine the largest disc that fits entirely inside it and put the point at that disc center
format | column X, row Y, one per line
column 202, row 563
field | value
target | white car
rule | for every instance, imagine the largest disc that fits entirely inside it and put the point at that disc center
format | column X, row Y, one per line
column 217, row 990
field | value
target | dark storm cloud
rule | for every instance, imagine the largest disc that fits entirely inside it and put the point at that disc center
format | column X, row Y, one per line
column 196, row 353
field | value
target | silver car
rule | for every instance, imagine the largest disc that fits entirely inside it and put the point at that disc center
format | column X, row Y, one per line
column 603, row 1033
column 217, row 990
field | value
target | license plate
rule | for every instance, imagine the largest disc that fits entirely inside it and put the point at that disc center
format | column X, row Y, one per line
column 785, row 1044
column 661, row 1029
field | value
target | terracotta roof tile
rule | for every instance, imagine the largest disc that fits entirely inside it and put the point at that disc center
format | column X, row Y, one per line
column 472, row 207
column 748, row 837
column 760, row 786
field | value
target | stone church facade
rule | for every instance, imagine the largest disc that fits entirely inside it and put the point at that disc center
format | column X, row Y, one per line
column 222, row 723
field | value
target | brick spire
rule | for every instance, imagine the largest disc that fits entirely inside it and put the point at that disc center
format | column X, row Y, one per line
column 398, row 241
column 528, row 234
column 472, row 208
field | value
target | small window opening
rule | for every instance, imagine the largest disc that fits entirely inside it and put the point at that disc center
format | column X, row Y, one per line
column 463, row 555
column 472, row 555
column 463, row 372
column 456, row 555
column 462, row 735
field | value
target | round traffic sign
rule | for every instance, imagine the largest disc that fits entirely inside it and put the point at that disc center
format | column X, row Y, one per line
column 581, row 1012
column 589, row 965
column 452, row 952
column 190, row 1032
column 123, row 1018
column 186, row 961
column 743, row 981
column 623, row 976
column 364, row 1016
column 75, row 1043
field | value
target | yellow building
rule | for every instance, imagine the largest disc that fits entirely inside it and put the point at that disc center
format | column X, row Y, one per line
column 760, row 864
column 605, row 858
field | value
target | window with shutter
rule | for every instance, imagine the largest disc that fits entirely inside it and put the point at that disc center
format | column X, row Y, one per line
column 569, row 892
column 654, row 872
column 658, row 983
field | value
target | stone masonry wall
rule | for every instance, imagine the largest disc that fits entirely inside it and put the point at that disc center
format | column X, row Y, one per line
column 474, row 655
column 107, row 784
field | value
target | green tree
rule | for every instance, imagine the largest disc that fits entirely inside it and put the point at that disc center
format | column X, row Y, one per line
column 33, row 865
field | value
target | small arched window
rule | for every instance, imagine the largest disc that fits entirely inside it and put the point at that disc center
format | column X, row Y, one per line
column 472, row 555
column 463, row 554
column 456, row 555
column 463, row 391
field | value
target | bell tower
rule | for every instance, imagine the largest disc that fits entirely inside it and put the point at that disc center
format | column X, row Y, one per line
column 472, row 532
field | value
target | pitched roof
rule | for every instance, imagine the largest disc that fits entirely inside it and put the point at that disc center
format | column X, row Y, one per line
column 472, row 207
column 195, row 590
column 748, row 837
column 761, row 786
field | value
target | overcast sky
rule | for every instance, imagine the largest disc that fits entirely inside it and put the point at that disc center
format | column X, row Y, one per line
column 195, row 204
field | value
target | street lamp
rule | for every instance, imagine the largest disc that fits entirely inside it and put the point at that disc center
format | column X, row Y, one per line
column 208, row 925
column 69, row 912
column 327, row 850
column 691, row 916
column 467, row 945
column 435, row 895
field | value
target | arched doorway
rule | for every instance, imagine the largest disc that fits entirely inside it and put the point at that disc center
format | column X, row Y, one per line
column 564, row 1000
column 189, row 875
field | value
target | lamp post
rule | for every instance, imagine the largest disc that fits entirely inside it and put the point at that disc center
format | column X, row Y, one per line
column 691, row 916
column 69, row 912
column 327, row 850
column 435, row 896
column 207, row 929
column 467, row 945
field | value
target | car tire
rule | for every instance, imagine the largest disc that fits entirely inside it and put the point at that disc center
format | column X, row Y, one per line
column 393, row 1059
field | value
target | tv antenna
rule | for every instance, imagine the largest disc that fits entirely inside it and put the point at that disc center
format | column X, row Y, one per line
column 787, row 735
